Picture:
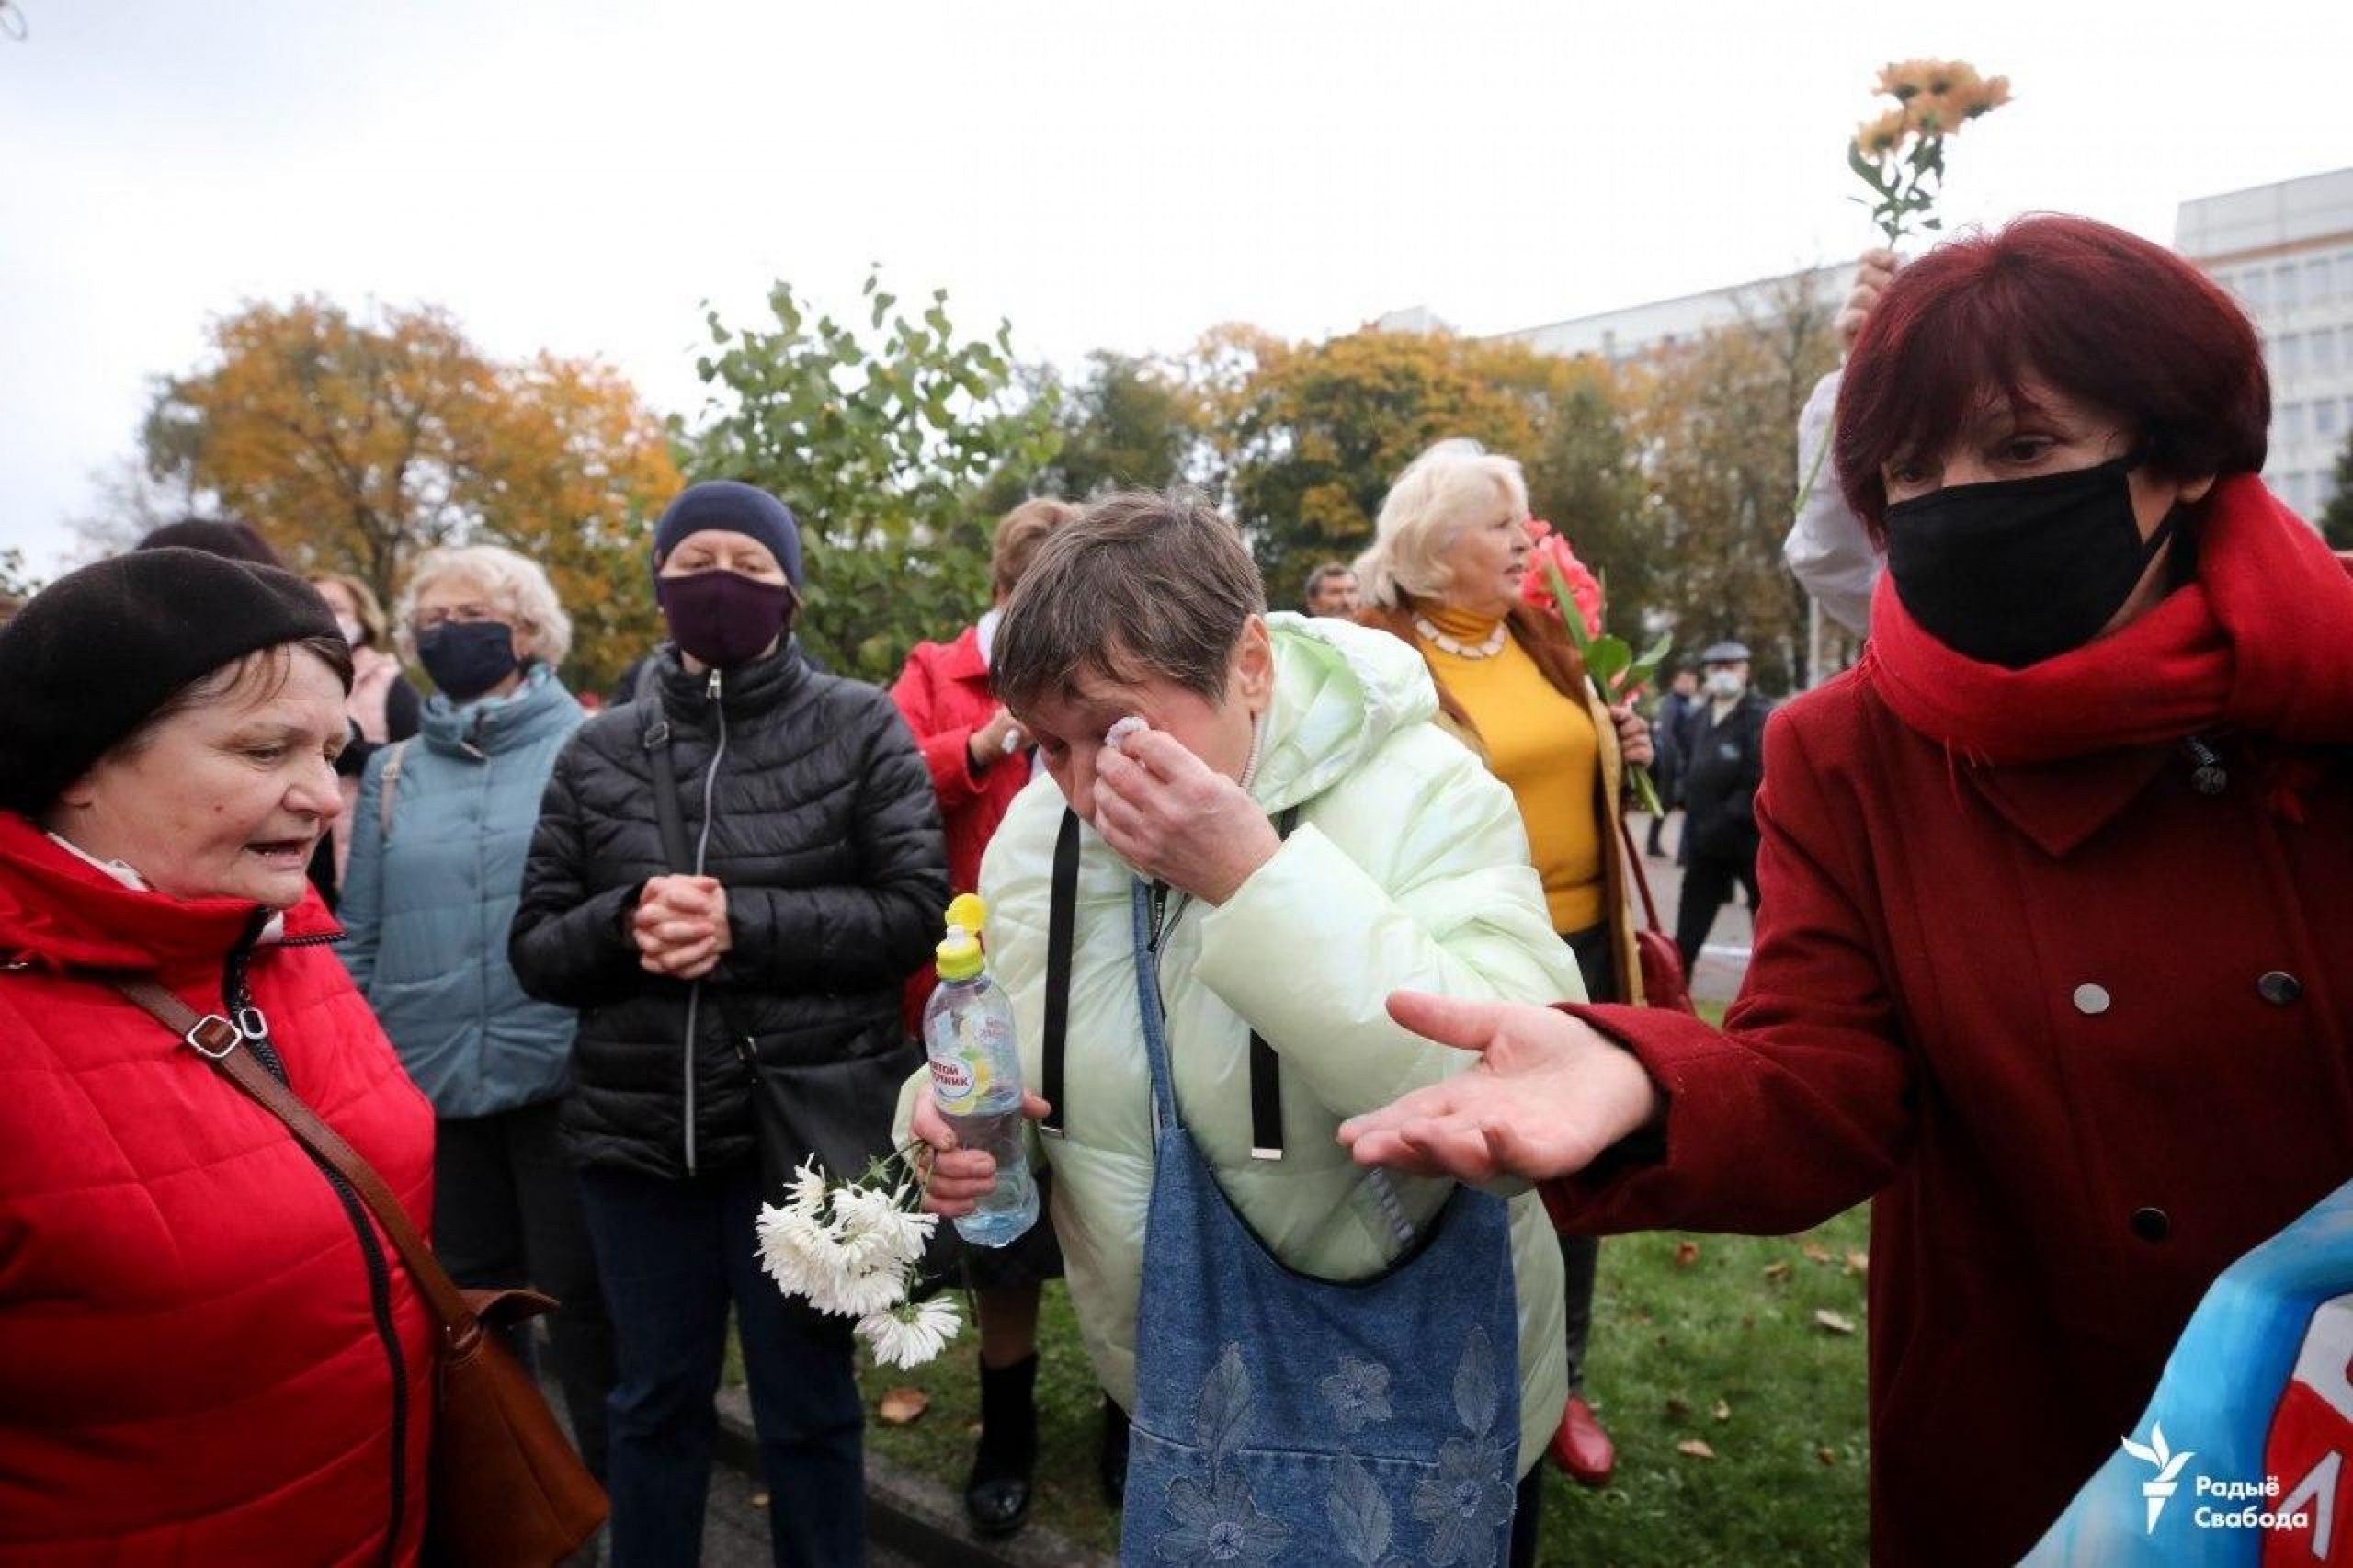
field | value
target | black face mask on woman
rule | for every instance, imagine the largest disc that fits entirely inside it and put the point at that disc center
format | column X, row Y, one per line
column 466, row 658
column 723, row 618
column 2018, row 571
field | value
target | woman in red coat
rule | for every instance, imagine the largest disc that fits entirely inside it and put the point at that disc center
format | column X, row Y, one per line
column 979, row 759
column 208, row 1351
column 2054, row 959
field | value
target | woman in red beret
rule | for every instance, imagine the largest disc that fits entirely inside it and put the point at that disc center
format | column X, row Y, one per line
column 2054, row 960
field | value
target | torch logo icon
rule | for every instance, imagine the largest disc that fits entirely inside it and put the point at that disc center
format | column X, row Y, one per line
column 2168, row 1464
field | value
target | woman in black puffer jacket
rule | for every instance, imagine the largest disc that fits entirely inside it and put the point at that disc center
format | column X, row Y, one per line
column 764, row 936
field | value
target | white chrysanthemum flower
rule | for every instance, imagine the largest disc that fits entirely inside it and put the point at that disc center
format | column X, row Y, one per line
column 793, row 1250
column 911, row 1332
column 875, row 1232
column 808, row 1192
column 859, row 1293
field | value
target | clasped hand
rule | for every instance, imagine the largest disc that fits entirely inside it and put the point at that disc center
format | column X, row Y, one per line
column 681, row 927
column 1177, row 820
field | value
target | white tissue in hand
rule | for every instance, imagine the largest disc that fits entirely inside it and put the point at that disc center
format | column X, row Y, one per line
column 1130, row 725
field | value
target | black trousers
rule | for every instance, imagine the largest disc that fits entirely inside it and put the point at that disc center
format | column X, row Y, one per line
column 1706, row 885
column 507, row 1212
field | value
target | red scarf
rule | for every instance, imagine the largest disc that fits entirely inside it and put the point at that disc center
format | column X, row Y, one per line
column 2261, row 642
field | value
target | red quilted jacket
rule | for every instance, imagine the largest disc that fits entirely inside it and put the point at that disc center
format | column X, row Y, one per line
column 944, row 694
column 200, row 1359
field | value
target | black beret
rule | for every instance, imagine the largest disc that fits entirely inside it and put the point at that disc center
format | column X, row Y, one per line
column 92, row 656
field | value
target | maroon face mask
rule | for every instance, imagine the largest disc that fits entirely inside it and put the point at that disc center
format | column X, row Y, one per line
column 723, row 618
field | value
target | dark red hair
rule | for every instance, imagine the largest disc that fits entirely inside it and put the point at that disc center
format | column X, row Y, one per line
column 2087, row 309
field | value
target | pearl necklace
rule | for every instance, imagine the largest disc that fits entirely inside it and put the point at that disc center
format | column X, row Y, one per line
column 1488, row 649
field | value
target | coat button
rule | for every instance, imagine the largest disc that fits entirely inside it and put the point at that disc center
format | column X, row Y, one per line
column 2151, row 1224
column 2279, row 988
column 2091, row 1000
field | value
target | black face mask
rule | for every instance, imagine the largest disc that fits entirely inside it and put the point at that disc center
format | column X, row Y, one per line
column 466, row 658
column 2019, row 571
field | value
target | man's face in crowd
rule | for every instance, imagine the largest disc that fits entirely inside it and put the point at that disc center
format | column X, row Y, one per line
column 1335, row 595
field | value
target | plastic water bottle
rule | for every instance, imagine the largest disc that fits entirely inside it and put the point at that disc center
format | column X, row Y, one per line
column 976, row 1077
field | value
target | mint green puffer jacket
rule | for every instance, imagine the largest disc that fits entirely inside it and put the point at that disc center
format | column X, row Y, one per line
column 1408, row 869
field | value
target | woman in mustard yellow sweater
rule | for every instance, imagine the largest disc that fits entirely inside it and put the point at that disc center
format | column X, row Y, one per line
column 1444, row 573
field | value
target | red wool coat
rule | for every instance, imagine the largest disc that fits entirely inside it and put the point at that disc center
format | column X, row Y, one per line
column 2086, row 1033
column 944, row 694
column 191, row 1370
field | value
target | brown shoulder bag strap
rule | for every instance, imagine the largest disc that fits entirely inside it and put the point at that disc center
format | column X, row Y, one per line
column 1641, row 878
column 218, row 1040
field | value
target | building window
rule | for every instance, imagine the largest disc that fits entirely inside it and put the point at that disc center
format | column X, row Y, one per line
column 2324, row 352
column 2283, row 285
column 2317, row 288
column 2325, row 419
column 2255, row 288
column 2287, row 355
column 2291, row 425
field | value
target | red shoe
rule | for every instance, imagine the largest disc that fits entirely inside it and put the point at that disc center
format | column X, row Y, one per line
column 1582, row 1447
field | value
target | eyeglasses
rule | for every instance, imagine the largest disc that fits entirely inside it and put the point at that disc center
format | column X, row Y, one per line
column 463, row 615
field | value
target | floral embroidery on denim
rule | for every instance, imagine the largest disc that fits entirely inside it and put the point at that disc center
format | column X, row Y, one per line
column 1466, row 1502
column 1362, row 1526
column 1470, row 1497
column 1357, row 1394
column 1217, row 1520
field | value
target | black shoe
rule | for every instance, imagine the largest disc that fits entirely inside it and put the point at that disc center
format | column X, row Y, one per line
column 996, row 1497
column 1111, row 1454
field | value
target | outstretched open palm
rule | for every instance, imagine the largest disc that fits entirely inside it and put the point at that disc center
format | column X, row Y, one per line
column 1549, row 1093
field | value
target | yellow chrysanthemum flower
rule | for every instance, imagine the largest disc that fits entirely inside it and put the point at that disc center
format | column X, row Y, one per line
column 1904, row 79
column 1981, row 97
column 1876, row 139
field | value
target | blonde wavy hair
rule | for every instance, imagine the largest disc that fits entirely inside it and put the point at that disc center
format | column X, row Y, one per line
column 1457, row 485
column 514, row 585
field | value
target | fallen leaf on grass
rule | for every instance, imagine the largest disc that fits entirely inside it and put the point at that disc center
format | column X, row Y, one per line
column 1722, row 1411
column 1836, row 1322
column 1827, row 1454
column 1695, row 1449
column 1686, row 1253
column 1777, row 1272
column 1859, row 1263
column 1815, row 1251
column 902, row 1406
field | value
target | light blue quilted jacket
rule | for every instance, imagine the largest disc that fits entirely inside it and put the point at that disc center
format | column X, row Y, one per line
column 427, row 905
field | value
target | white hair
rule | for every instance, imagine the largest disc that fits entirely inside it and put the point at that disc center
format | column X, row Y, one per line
column 514, row 584
column 1457, row 485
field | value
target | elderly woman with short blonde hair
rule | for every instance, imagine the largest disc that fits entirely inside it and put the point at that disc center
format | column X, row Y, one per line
column 438, row 839
column 1450, row 552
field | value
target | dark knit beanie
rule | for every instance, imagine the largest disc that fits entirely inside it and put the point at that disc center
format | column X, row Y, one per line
column 96, row 653
column 735, row 508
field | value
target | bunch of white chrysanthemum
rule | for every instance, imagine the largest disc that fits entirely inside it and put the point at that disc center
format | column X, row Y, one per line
column 855, row 1250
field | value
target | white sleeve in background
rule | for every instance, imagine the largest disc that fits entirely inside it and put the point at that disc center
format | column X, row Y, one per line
column 1827, row 548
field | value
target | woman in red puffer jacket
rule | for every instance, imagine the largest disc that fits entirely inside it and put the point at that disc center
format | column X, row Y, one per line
column 208, row 1351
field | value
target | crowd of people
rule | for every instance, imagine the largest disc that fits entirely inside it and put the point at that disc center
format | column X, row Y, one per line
column 1333, row 962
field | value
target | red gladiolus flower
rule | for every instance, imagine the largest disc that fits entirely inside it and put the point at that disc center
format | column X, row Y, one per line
column 1536, row 588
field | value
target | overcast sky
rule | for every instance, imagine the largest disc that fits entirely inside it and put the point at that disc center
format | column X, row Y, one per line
column 580, row 175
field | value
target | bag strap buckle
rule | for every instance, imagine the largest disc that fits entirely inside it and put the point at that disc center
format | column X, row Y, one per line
column 213, row 1037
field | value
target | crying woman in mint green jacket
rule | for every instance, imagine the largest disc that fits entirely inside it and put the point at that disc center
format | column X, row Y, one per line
column 1406, row 868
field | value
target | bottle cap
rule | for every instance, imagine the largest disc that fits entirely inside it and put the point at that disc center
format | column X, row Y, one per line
column 959, row 956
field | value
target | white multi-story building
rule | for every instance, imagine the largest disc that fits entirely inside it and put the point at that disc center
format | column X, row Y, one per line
column 1639, row 330
column 2286, row 251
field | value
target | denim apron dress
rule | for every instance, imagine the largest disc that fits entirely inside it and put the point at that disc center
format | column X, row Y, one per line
column 1285, row 1419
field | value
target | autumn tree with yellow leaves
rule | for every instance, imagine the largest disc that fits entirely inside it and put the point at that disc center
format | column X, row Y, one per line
column 354, row 444
column 1309, row 437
